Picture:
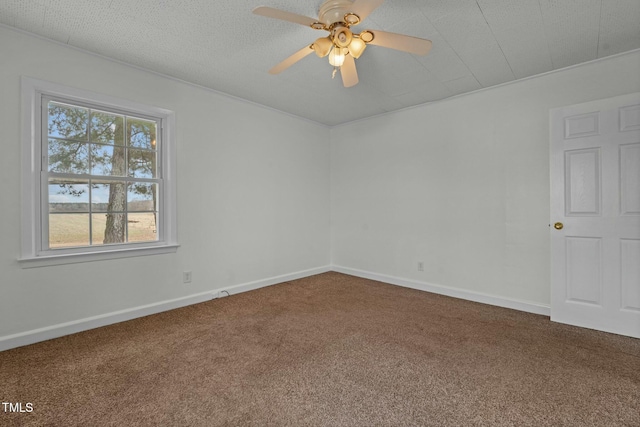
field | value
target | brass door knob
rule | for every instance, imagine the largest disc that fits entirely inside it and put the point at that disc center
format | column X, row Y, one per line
column 558, row 226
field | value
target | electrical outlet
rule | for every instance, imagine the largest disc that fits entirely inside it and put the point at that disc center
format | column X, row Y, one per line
column 186, row 277
column 421, row 266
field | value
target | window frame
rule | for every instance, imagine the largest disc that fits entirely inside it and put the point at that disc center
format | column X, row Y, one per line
column 34, row 203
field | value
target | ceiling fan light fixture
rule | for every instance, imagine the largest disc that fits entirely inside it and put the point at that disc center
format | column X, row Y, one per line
column 356, row 47
column 336, row 57
column 322, row 46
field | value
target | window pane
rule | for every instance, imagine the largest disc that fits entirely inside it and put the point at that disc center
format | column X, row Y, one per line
column 68, row 195
column 141, row 133
column 107, row 160
column 107, row 196
column 110, row 198
column 141, row 196
column 142, row 227
column 68, row 157
column 114, row 228
column 98, row 226
column 67, row 230
column 68, row 122
column 142, row 164
column 101, row 159
column 107, row 128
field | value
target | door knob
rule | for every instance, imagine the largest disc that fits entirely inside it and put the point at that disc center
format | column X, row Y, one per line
column 558, row 226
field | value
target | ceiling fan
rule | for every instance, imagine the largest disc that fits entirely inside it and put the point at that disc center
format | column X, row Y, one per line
column 342, row 45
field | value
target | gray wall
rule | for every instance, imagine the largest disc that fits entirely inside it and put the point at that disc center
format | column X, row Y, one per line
column 461, row 185
column 253, row 194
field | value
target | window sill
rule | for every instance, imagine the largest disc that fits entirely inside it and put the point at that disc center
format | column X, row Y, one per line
column 50, row 260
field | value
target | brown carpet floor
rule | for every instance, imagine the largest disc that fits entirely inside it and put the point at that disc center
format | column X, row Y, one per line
column 328, row 350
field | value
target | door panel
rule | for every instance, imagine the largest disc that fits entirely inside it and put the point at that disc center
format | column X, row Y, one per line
column 630, row 179
column 582, row 182
column 630, row 118
column 581, row 125
column 595, row 194
column 630, row 274
column 584, row 270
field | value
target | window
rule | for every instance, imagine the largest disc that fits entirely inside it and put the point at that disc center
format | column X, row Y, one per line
column 98, row 176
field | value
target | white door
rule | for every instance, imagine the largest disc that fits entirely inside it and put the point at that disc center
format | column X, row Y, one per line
column 595, row 215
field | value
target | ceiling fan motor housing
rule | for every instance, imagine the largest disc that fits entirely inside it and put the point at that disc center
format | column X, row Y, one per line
column 333, row 11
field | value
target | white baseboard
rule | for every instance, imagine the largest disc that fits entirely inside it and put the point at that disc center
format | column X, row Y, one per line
column 236, row 289
column 514, row 304
column 68, row 328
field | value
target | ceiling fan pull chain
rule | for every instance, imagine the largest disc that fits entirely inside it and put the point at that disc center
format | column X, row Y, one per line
column 335, row 70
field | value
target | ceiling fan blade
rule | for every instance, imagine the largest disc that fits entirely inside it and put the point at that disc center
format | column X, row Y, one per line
column 402, row 42
column 270, row 12
column 348, row 72
column 291, row 60
column 363, row 8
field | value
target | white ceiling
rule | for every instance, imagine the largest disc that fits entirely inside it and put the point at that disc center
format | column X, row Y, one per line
column 221, row 45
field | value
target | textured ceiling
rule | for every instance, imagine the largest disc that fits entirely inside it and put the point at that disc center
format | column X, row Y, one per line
column 223, row 46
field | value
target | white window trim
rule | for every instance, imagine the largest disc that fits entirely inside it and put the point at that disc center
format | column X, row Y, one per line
column 31, row 203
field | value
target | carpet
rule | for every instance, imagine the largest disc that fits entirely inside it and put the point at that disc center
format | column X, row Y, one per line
column 328, row 350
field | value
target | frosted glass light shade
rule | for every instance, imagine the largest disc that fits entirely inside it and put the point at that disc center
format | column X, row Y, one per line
column 356, row 47
column 322, row 46
column 336, row 57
